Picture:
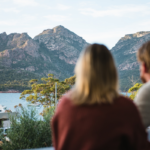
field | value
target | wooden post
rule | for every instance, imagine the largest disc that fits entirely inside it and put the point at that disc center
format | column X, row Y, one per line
column 55, row 94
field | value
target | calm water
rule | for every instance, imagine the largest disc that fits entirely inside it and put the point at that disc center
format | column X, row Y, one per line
column 126, row 94
column 12, row 99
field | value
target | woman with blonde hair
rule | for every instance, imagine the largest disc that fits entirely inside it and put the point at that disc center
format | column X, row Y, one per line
column 92, row 115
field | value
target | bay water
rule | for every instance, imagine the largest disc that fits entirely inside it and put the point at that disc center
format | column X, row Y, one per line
column 12, row 99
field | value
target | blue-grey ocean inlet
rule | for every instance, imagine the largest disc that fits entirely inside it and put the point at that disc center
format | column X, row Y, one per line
column 12, row 99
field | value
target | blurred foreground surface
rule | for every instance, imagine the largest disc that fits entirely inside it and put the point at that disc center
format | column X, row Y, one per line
column 48, row 148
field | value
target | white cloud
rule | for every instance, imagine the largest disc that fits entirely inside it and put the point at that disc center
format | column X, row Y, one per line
column 26, row 2
column 116, row 11
column 63, row 7
column 58, row 18
column 14, row 10
column 8, row 23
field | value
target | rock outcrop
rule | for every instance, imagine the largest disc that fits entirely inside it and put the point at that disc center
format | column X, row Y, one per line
column 125, row 56
column 52, row 51
column 66, row 44
column 56, row 51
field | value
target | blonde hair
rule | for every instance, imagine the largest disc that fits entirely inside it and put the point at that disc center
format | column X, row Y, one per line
column 143, row 54
column 96, row 76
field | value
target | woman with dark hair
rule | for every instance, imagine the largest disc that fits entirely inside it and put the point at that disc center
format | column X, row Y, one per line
column 92, row 115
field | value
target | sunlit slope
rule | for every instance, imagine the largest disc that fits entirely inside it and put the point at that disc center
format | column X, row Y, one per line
column 52, row 51
column 124, row 53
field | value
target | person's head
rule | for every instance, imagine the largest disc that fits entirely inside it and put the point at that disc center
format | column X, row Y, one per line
column 96, row 76
column 143, row 56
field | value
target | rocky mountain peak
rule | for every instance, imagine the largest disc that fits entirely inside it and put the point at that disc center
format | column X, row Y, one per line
column 54, row 51
column 125, row 56
column 17, row 39
column 140, row 34
column 56, row 30
column 67, row 44
column 59, row 29
column 18, row 36
column 135, row 35
column 3, row 35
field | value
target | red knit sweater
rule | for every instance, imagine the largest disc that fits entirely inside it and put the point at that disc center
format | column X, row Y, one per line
column 116, row 126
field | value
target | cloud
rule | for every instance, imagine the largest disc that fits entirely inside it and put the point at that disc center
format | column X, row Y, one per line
column 116, row 11
column 14, row 10
column 8, row 23
column 58, row 18
column 63, row 7
column 26, row 2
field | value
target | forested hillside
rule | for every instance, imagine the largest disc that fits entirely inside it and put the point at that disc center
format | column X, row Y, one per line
column 23, row 58
column 55, row 51
column 124, row 53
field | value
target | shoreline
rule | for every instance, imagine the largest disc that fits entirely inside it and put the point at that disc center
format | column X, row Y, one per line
column 10, row 91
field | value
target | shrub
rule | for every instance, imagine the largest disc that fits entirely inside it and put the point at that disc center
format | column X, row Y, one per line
column 133, row 90
column 27, row 131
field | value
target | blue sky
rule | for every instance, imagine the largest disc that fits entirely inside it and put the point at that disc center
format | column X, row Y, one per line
column 94, row 20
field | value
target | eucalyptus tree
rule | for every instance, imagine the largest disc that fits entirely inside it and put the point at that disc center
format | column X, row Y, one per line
column 134, row 89
column 44, row 92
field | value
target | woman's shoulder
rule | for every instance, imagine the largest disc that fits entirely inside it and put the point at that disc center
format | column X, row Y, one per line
column 126, row 104
column 121, row 100
column 124, row 100
column 64, row 101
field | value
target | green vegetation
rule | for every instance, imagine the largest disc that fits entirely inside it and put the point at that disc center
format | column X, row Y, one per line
column 60, row 67
column 125, row 58
column 133, row 90
column 70, row 81
column 125, row 79
column 18, row 77
column 27, row 131
column 44, row 92
column 15, row 79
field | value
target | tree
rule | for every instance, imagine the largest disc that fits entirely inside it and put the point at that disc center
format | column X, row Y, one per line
column 133, row 90
column 27, row 131
column 44, row 92
column 71, row 80
column 133, row 80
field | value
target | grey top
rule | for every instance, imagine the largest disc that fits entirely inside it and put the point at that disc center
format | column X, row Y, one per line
column 142, row 100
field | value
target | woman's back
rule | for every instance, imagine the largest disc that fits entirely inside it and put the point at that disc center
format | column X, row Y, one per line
column 114, row 126
column 92, row 116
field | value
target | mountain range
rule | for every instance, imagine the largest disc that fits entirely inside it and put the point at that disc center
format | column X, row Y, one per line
column 52, row 51
column 124, row 53
column 56, row 51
